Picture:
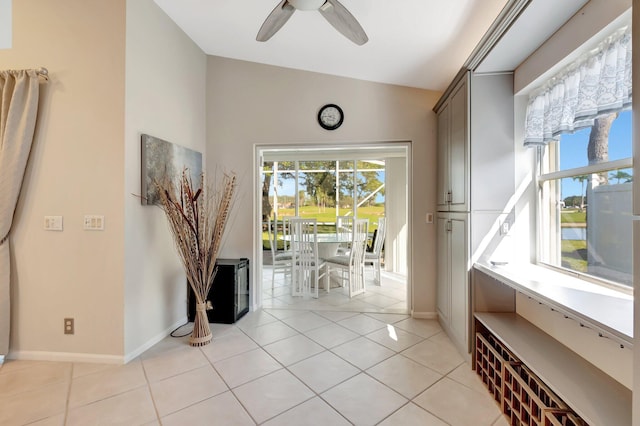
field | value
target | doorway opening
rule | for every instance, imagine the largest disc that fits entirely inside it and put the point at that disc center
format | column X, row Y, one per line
column 327, row 183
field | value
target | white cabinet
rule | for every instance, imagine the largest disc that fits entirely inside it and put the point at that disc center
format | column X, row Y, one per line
column 475, row 184
column 453, row 297
column 453, row 150
column 443, row 289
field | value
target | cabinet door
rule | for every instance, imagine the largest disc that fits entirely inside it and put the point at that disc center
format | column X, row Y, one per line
column 443, row 292
column 443, row 159
column 459, row 276
column 459, row 149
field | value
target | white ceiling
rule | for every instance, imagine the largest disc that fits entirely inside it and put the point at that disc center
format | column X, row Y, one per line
column 537, row 22
column 415, row 43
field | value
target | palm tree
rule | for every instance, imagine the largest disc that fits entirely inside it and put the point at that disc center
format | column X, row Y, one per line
column 619, row 175
column 582, row 179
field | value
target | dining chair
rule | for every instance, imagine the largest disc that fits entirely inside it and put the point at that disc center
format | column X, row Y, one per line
column 351, row 266
column 286, row 232
column 281, row 260
column 344, row 227
column 374, row 258
column 307, row 267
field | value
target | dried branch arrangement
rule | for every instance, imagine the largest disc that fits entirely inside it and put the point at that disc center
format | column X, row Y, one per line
column 197, row 219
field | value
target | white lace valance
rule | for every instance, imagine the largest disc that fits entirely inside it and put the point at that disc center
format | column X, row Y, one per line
column 597, row 84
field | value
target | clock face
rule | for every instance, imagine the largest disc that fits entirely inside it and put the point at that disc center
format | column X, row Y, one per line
column 330, row 117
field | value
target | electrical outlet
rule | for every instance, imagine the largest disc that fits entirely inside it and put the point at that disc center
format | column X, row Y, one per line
column 429, row 218
column 69, row 327
column 504, row 230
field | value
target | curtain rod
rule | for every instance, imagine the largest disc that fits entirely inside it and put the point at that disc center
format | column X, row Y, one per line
column 43, row 72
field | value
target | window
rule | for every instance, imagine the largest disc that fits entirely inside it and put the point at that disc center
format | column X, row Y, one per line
column 324, row 189
column 585, row 211
column 580, row 122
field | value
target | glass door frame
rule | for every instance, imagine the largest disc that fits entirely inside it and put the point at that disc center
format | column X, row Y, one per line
column 260, row 149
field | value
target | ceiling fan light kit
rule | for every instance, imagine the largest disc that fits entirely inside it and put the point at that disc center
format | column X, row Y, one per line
column 332, row 10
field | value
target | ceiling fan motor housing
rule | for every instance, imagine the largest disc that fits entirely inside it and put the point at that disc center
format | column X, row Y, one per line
column 307, row 4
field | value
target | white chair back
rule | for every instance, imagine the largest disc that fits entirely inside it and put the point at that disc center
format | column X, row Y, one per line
column 357, row 255
column 344, row 228
column 273, row 235
column 306, row 264
column 280, row 260
column 286, row 231
column 344, row 225
column 375, row 257
column 380, row 236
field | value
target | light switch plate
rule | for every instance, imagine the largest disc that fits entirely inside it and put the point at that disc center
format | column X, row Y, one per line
column 53, row 223
column 93, row 222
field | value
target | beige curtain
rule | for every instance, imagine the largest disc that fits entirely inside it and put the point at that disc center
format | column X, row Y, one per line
column 19, row 91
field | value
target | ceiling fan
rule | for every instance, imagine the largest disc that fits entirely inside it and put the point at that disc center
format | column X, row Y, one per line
column 332, row 10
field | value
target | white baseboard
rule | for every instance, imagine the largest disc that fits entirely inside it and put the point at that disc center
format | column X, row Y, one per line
column 424, row 315
column 65, row 357
column 157, row 338
column 93, row 358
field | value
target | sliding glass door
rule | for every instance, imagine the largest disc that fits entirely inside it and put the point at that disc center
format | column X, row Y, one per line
column 324, row 183
column 324, row 190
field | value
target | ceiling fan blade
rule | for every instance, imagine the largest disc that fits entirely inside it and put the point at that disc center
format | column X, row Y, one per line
column 276, row 19
column 343, row 21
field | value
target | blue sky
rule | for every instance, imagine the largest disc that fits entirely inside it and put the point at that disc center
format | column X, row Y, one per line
column 574, row 149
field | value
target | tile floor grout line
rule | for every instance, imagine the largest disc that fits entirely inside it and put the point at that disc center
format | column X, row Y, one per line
column 66, row 405
column 246, row 410
column 191, row 368
column 331, row 321
column 429, row 387
column 360, row 371
column 153, row 400
column 229, row 388
column 319, row 394
column 422, row 365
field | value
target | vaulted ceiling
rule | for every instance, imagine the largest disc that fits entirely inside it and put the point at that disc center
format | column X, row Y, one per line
column 415, row 43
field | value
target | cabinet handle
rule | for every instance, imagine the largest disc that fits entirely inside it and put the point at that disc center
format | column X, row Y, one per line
column 449, row 197
column 448, row 228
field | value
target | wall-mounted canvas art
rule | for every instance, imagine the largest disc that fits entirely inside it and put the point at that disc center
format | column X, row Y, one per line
column 161, row 158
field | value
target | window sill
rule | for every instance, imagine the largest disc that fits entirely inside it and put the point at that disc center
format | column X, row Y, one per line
column 607, row 311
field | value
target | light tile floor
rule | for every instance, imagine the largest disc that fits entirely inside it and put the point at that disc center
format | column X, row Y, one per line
column 273, row 367
column 390, row 297
column 299, row 361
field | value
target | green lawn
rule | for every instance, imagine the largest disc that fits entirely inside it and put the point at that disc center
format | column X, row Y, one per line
column 573, row 216
column 574, row 252
column 328, row 215
column 574, row 255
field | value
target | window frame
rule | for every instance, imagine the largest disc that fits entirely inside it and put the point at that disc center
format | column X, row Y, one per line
column 546, row 157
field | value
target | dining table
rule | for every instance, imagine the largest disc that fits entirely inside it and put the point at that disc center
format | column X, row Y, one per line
column 328, row 243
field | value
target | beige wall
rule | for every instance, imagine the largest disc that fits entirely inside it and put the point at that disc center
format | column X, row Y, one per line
column 76, row 168
column 124, row 286
column 249, row 103
column 165, row 97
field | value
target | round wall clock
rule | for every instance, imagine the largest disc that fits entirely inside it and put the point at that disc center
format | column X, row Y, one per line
column 330, row 117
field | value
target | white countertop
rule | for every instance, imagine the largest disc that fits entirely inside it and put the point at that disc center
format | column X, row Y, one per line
column 608, row 311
